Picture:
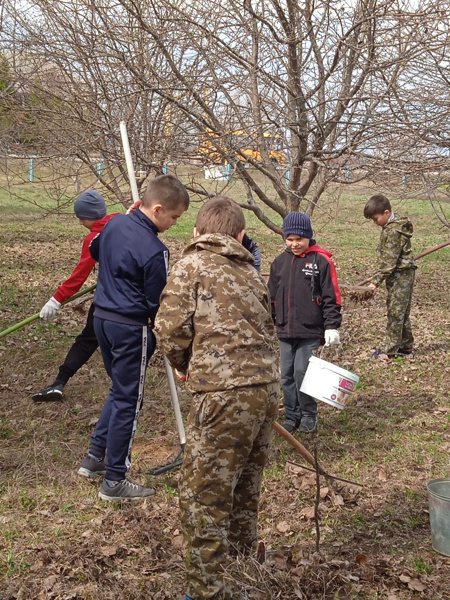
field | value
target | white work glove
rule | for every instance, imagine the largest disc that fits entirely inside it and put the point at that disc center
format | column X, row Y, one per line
column 50, row 309
column 332, row 337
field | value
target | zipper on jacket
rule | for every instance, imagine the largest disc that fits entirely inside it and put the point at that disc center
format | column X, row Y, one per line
column 289, row 291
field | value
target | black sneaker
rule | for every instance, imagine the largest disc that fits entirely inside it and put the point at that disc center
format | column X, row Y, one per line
column 406, row 351
column 92, row 467
column 308, row 424
column 289, row 426
column 124, row 490
column 50, row 394
column 382, row 355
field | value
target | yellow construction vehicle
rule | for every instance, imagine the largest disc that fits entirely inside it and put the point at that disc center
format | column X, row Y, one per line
column 213, row 147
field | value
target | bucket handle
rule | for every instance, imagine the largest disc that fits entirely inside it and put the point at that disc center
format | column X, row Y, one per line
column 322, row 349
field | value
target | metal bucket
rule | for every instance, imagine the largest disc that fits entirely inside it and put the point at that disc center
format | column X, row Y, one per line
column 439, row 503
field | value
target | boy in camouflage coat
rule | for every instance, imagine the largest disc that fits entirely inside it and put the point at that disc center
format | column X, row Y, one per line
column 396, row 267
column 214, row 325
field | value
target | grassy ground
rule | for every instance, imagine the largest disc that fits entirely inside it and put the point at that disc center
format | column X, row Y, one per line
column 59, row 541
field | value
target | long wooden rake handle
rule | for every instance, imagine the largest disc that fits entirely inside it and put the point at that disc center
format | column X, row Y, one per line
column 308, row 456
column 429, row 251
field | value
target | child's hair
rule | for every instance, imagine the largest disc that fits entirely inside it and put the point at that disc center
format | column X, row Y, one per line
column 376, row 205
column 220, row 214
column 166, row 190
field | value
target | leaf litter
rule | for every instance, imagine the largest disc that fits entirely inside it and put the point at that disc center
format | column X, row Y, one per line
column 60, row 542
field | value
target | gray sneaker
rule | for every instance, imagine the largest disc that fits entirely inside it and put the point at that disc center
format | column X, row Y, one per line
column 92, row 467
column 124, row 490
column 308, row 424
column 290, row 427
column 50, row 393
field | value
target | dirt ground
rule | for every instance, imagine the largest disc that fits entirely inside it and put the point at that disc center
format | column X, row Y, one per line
column 58, row 541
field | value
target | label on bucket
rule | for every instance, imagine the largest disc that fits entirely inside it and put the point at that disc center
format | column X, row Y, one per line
column 346, row 384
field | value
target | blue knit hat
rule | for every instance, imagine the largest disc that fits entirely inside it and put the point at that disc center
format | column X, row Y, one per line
column 297, row 223
column 90, row 206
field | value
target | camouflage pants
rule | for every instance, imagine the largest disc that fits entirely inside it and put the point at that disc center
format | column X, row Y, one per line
column 228, row 440
column 399, row 287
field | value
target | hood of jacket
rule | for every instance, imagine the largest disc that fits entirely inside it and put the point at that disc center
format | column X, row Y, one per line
column 400, row 224
column 98, row 225
column 219, row 243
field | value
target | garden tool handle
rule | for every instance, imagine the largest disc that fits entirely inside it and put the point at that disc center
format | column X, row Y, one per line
column 36, row 316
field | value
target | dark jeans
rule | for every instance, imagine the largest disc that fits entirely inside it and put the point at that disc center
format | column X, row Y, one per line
column 295, row 355
column 81, row 350
column 126, row 350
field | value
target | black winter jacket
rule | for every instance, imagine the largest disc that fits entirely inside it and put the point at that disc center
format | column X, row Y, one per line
column 305, row 294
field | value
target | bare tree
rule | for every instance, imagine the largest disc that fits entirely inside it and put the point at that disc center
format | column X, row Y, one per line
column 291, row 95
column 416, row 149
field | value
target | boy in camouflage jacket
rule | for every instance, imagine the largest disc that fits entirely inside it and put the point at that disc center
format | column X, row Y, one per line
column 214, row 325
column 396, row 267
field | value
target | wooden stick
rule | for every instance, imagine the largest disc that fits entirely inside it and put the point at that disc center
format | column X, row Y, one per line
column 291, row 462
column 299, row 448
column 356, row 288
column 306, row 455
column 432, row 250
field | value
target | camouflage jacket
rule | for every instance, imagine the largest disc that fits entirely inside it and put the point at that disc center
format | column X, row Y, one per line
column 394, row 250
column 214, row 321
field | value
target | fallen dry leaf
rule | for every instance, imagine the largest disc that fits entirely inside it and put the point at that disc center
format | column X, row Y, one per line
column 416, row 585
column 86, row 533
column 362, row 559
column 382, row 475
column 177, row 542
column 308, row 513
column 277, row 559
column 283, row 527
column 324, row 492
column 108, row 550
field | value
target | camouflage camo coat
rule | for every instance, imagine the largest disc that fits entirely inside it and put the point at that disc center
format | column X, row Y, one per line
column 214, row 320
column 394, row 250
column 215, row 323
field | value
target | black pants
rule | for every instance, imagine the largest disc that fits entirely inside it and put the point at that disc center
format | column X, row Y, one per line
column 81, row 351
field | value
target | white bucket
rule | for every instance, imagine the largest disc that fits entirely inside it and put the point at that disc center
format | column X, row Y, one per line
column 324, row 381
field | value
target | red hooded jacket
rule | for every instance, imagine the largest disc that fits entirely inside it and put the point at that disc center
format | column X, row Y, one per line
column 85, row 265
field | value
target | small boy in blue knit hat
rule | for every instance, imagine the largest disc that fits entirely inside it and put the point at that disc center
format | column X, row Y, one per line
column 90, row 210
column 306, row 308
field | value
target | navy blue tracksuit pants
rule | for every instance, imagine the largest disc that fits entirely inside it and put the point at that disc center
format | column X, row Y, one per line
column 126, row 350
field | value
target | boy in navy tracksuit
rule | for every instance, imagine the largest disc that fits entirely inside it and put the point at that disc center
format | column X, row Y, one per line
column 132, row 274
column 306, row 307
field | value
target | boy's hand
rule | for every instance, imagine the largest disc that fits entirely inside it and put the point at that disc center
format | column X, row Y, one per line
column 133, row 207
column 332, row 337
column 181, row 376
column 50, row 309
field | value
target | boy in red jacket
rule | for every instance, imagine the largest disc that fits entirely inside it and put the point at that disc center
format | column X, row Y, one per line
column 90, row 208
column 306, row 307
